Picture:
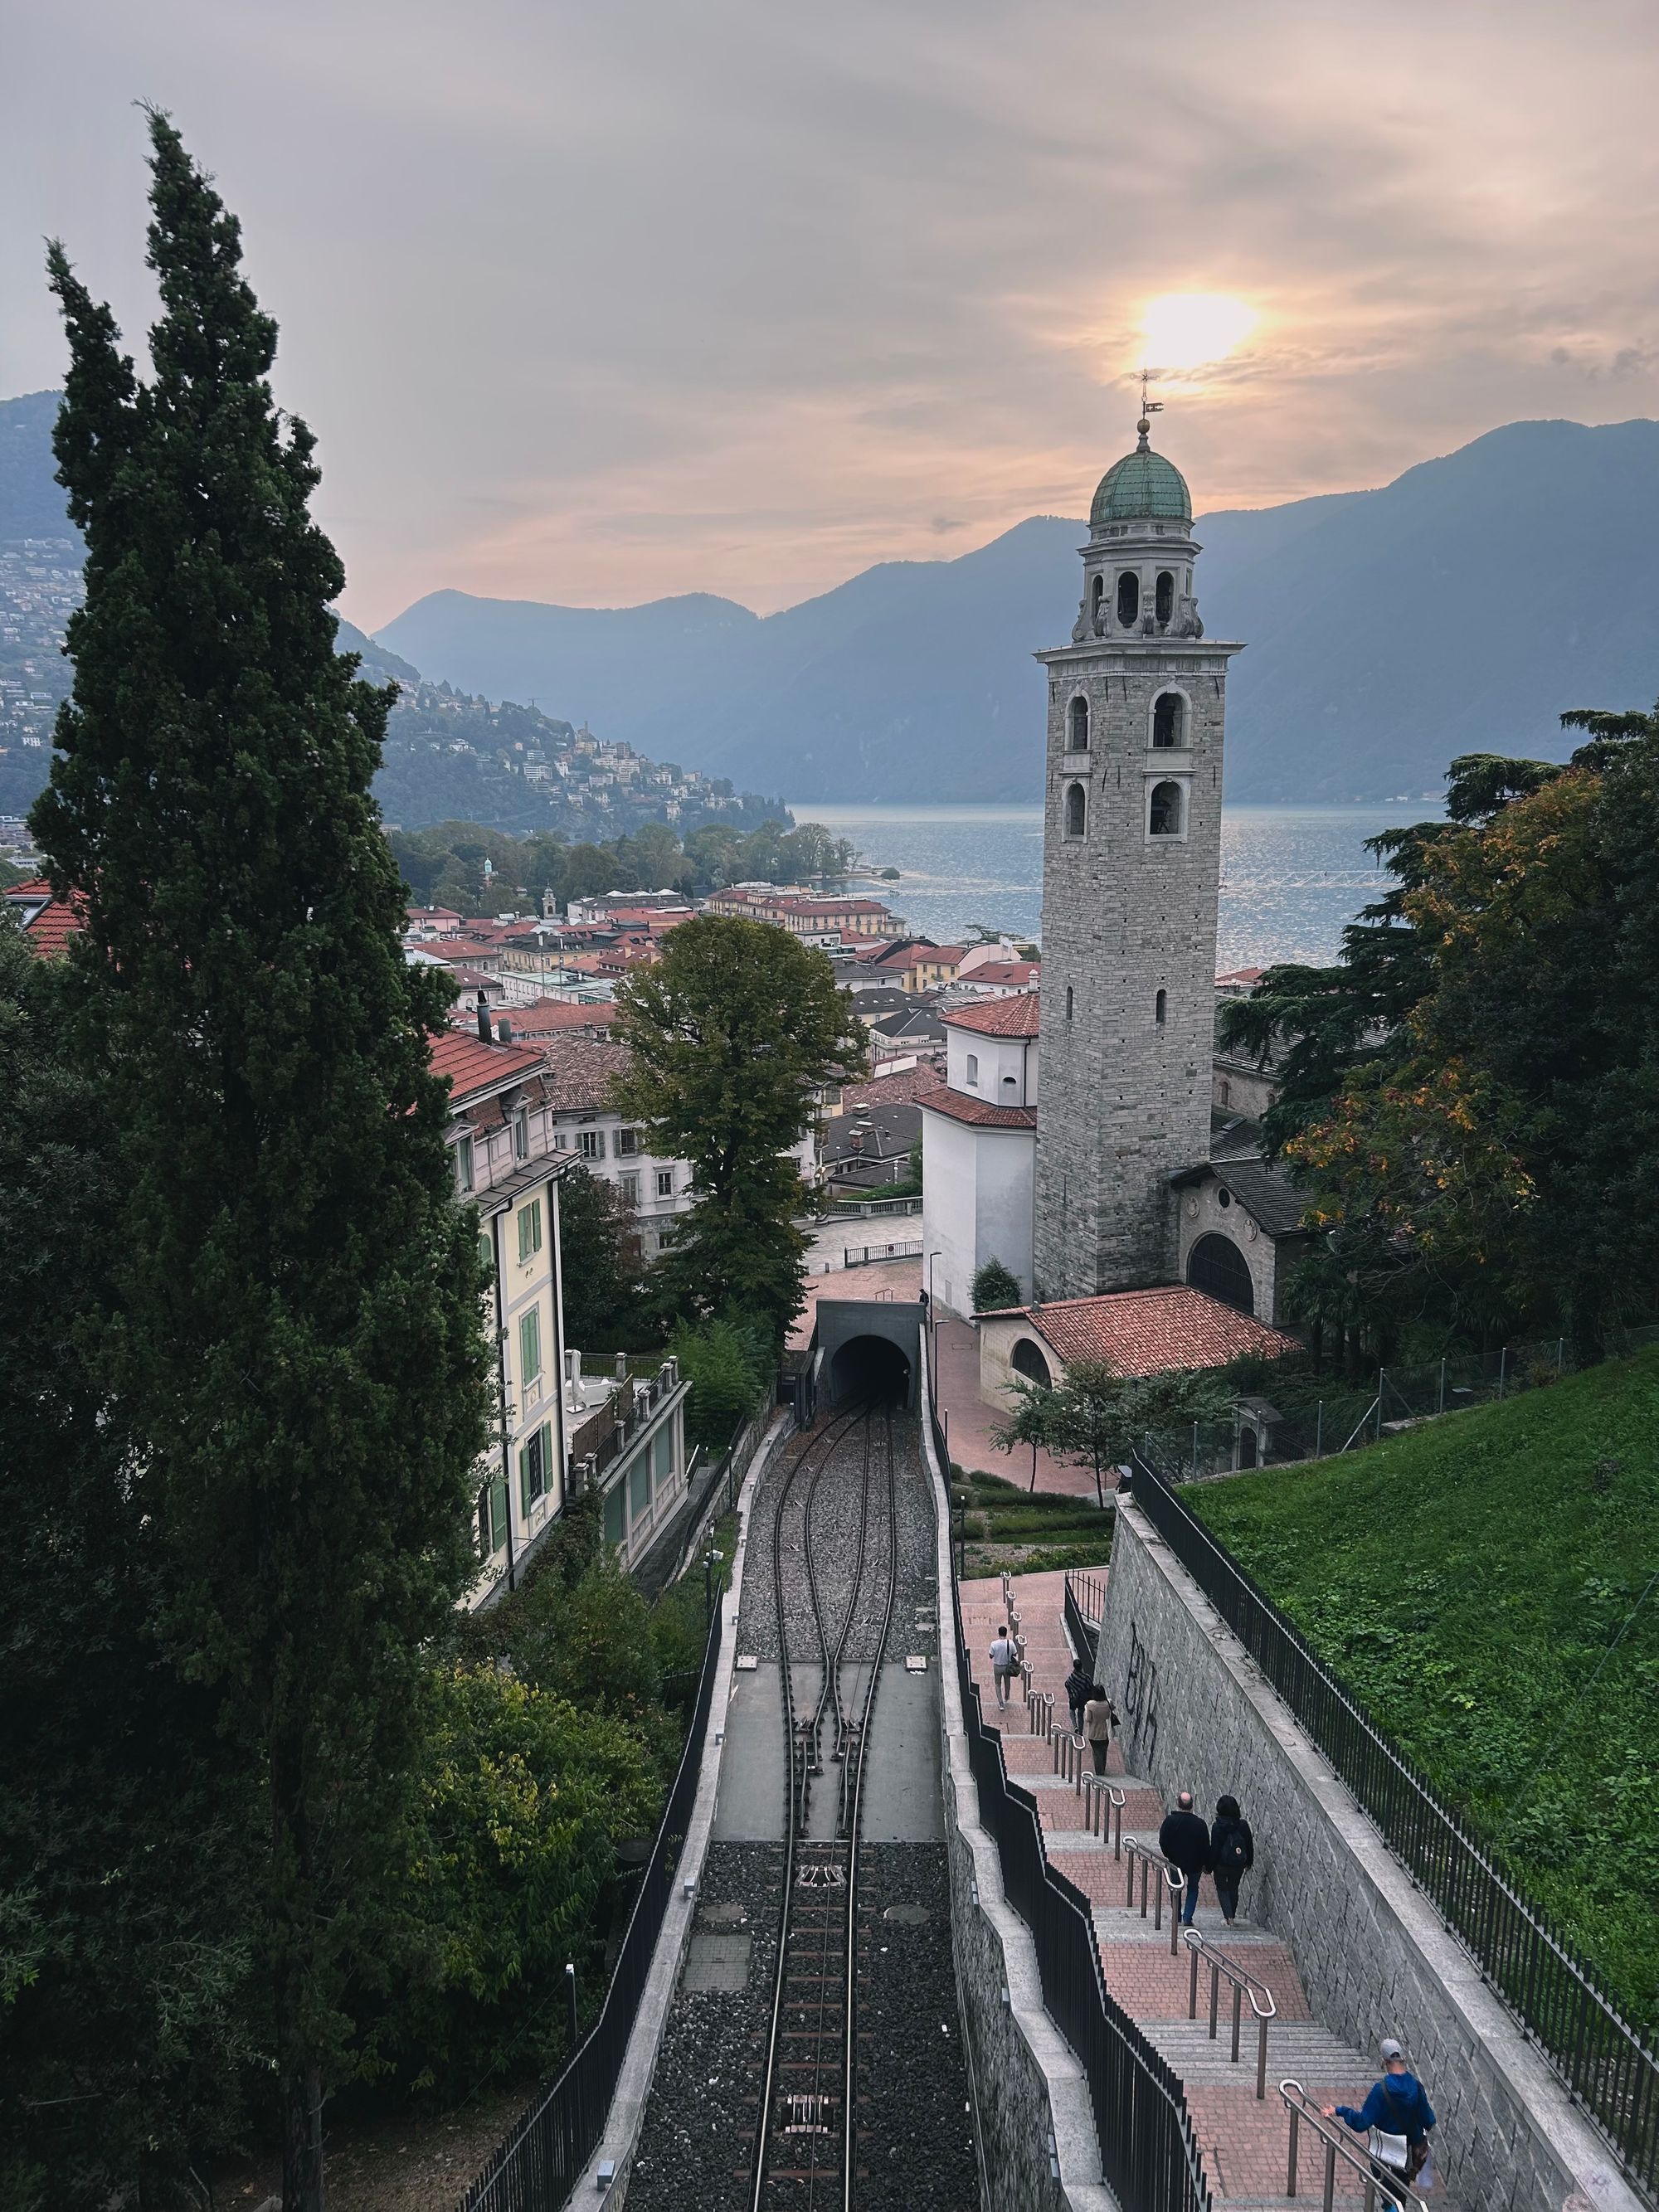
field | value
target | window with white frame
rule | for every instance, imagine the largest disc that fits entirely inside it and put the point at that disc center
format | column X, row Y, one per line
column 628, row 1143
column 521, row 1134
column 590, row 1143
column 535, row 1467
column 463, row 1165
column 973, row 1068
column 665, row 1182
column 629, row 1185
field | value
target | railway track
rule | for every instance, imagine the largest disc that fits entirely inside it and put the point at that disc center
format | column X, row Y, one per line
column 805, row 2140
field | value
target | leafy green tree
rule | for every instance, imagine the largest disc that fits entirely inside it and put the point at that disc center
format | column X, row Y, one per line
column 600, row 1265
column 728, row 1365
column 297, row 1340
column 526, row 1799
column 729, row 1032
column 652, row 853
column 126, row 1980
column 994, row 1288
column 1096, row 1417
column 1469, row 1095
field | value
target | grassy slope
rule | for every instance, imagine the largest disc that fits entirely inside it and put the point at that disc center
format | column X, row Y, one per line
column 1465, row 1581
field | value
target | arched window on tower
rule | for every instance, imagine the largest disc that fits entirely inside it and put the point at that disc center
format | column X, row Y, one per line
column 1164, row 817
column 1077, row 811
column 1164, row 598
column 1161, row 1008
column 1128, row 598
column 1096, row 595
column 1215, row 1264
column 1069, row 1002
column 1169, row 718
column 1077, row 726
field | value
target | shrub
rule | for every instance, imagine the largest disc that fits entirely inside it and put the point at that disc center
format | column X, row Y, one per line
column 994, row 1287
column 727, row 1361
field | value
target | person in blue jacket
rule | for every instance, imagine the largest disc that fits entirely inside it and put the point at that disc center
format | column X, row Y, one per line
column 1397, row 2104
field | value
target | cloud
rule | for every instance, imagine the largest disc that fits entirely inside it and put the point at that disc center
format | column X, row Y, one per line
column 598, row 304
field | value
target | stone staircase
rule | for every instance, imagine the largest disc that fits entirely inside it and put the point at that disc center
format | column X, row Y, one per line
column 1244, row 2141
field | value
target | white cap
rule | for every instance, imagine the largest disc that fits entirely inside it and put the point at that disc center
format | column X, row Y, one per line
column 1391, row 2049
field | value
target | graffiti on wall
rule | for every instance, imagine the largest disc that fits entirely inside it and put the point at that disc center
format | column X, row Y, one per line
column 1140, row 1700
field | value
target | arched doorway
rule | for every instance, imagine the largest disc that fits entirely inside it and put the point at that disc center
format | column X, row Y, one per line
column 1028, row 1360
column 1215, row 1264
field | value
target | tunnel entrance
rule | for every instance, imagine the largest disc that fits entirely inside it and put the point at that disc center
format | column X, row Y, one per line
column 869, row 1367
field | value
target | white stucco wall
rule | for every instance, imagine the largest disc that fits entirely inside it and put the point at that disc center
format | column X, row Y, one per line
column 1000, row 1062
column 976, row 1204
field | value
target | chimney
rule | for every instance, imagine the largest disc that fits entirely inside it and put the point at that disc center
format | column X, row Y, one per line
column 483, row 1018
column 504, row 1030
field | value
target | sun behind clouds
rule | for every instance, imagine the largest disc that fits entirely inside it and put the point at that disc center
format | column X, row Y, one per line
column 1187, row 329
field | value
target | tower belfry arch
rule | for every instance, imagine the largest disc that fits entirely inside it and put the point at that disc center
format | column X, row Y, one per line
column 1131, row 875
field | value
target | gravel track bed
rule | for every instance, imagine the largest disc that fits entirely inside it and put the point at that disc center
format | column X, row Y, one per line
column 695, row 2145
column 836, row 1512
column 913, row 2150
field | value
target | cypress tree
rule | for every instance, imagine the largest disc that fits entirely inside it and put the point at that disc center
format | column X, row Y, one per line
column 296, row 1333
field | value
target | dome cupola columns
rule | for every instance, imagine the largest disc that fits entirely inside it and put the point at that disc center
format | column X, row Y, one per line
column 1138, row 564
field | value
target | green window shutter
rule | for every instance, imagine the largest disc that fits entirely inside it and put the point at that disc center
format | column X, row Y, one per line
column 615, row 1526
column 547, row 1457
column 529, row 1345
column 498, row 1513
column 524, row 1480
column 535, row 1225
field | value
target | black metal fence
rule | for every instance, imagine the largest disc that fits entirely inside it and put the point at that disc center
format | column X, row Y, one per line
column 1149, row 2154
column 1603, row 2060
column 541, row 2162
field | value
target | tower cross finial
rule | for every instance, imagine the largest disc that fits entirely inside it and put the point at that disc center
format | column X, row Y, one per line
column 1149, row 407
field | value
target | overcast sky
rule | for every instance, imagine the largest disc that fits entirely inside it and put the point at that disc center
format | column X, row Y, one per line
column 600, row 299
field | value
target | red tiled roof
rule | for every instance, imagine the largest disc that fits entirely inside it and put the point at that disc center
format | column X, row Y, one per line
column 978, row 1113
column 53, row 921
column 1003, row 1018
column 552, row 1017
column 578, row 1073
column 472, row 1066
column 1148, row 1331
column 1005, row 971
column 1242, row 975
column 904, row 1087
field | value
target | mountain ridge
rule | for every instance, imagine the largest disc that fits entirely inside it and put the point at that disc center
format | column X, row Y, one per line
column 1461, row 608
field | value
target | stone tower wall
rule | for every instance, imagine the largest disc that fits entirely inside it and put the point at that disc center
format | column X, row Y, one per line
column 1126, row 1099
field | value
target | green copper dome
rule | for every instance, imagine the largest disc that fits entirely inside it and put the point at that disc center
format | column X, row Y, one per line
column 1142, row 484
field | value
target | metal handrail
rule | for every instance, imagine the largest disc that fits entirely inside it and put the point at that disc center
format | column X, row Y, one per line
column 1339, row 2142
column 1245, row 1985
column 1067, row 1749
column 1102, row 1811
column 1146, row 1857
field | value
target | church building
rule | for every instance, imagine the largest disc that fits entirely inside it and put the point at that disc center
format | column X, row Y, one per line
column 1122, row 1176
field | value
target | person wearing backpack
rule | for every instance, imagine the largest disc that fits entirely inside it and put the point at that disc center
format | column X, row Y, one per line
column 1397, row 2106
column 1232, row 1854
column 1080, row 1688
column 1005, row 1661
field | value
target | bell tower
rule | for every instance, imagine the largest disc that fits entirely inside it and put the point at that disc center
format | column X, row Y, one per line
column 1131, row 875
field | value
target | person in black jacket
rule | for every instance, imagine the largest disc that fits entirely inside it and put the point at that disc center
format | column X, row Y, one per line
column 1080, row 1688
column 1185, row 1842
column 1232, row 1854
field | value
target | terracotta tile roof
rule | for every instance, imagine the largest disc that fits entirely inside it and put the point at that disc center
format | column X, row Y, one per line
column 1146, row 1332
column 473, row 1067
column 908, row 1084
column 48, row 923
column 553, row 1018
column 978, row 1113
column 1016, row 972
column 1005, row 1018
column 578, row 1072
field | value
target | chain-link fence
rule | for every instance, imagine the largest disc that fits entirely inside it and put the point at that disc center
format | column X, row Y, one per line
column 1307, row 1416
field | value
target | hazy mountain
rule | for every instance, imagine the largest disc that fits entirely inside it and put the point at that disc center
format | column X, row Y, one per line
column 1459, row 609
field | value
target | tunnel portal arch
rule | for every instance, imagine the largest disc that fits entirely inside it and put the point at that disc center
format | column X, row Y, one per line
column 869, row 1347
column 869, row 1367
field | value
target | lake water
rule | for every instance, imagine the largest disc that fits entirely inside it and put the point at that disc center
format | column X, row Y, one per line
column 1290, row 876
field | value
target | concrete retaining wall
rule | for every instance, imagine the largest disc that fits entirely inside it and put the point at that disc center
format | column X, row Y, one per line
column 1036, row 2121
column 1373, row 1954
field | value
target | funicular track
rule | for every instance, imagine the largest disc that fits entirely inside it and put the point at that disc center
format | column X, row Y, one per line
column 805, row 2141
